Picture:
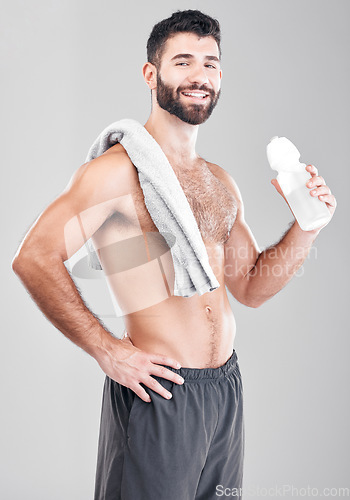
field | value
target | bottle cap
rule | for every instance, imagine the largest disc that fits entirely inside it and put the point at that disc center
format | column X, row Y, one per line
column 282, row 155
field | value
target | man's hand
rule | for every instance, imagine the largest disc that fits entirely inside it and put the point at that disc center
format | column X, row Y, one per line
column 318, row 187
column 130, row 366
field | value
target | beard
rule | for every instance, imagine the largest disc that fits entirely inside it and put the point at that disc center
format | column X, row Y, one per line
column 169, row 99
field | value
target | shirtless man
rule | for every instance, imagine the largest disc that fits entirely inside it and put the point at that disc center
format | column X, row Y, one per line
column 172, row 420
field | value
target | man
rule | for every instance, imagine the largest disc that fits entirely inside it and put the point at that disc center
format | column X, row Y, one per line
column 172, row 413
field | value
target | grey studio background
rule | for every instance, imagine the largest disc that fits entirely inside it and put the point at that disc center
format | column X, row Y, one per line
column 69, row 69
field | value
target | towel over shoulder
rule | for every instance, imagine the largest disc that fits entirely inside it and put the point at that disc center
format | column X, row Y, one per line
column 166, row 203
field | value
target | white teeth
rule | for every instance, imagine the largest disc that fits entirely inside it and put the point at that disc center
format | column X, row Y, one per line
column 195, row 95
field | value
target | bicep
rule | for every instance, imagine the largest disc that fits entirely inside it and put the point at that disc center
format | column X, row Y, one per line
column 241, row 250
column 76, row 214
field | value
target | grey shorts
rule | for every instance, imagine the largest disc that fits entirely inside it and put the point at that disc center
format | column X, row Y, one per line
column 186, row 448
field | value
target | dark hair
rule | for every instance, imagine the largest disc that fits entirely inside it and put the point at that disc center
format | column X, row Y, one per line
column 190, row 21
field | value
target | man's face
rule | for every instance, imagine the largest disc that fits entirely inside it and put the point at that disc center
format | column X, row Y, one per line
column 189, row 65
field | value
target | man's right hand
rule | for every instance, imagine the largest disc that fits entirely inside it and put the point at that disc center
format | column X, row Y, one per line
column 130, row 366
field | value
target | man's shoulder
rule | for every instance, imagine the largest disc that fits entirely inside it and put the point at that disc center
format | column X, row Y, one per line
column 116, row 156
column 216, row 169
column 114, row 165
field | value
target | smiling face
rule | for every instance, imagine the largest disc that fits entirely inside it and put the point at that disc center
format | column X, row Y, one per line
column 188, row 81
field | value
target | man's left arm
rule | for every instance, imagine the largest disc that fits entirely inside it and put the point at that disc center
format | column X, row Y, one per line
column 254, row 276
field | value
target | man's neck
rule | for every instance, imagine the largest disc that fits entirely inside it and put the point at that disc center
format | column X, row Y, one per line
column 176, row 138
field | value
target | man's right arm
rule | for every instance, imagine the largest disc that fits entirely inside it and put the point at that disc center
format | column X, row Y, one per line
column 91, row 196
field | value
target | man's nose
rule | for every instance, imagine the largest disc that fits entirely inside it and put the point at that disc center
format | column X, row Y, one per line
column 198, row 75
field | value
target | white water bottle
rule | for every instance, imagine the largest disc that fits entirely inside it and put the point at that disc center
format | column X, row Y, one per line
column 309, row 211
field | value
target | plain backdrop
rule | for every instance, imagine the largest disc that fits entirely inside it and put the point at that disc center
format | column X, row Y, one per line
column 70, row 68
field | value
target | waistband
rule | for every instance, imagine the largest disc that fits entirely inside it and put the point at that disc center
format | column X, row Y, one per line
column 199, row 374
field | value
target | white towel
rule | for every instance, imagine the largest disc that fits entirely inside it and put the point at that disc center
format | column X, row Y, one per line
column 166, row 203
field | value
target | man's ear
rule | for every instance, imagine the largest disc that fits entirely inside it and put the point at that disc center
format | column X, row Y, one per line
column 149, row 72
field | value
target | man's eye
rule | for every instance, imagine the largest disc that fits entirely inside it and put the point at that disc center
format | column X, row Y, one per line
column 207, row 65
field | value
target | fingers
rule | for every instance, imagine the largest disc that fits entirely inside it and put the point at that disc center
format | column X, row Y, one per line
column 148, row 365
column 323, row 190
column 141, row 393
column 161, row 371
column 312, row 169
column 330, row 199
column 136, row 369
column 164, row 360
column 324, row 194
column 153, row 384
column 316, row 180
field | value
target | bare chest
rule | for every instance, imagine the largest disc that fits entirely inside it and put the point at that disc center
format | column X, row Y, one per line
column 213, row 206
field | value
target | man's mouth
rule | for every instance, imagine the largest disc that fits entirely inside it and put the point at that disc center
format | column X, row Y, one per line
column 196, row 95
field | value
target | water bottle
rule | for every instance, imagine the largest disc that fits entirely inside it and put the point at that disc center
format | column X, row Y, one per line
column 309, row 211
